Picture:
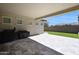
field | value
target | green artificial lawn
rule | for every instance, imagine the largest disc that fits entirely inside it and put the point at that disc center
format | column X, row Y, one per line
column 65, row 34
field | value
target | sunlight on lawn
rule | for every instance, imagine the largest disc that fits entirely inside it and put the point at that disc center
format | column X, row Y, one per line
column 65, row 34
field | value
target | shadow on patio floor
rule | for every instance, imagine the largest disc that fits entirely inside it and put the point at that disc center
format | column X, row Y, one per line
column 26, row 47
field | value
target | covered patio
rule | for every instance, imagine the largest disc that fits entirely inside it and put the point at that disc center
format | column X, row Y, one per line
column 28, row 17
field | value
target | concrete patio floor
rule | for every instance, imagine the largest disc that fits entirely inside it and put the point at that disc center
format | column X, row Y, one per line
column 26, row 46
column 64, row 45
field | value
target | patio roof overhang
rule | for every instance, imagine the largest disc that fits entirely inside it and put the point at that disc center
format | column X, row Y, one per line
column 37, row 10
column 60, row 12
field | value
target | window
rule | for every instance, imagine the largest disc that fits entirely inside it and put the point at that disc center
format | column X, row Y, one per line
column 41, row 23
column 6, row 20
column 19, row 21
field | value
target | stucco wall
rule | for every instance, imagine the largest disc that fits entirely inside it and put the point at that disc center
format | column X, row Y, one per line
column 29, row 24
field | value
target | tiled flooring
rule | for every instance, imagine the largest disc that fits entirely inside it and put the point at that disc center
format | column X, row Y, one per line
column 64, row 45
column 43, row 44
column 26, row 46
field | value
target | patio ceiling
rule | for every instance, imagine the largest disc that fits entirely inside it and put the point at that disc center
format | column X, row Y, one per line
column 34, row 10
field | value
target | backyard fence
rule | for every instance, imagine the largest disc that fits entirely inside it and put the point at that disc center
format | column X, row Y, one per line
column 65, row 28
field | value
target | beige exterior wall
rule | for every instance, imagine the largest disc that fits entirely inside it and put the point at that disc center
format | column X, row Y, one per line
column 29, row 24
